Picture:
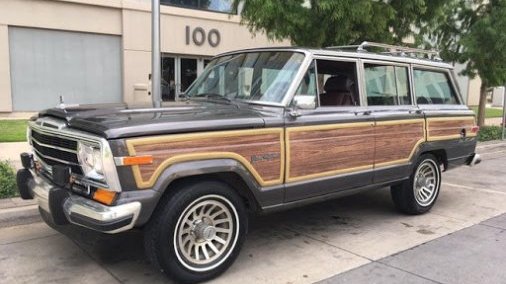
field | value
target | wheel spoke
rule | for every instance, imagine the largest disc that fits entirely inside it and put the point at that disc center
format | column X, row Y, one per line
column 220, row 240
column 216, row 222
column 222, row 230
column 213, row 247
column 197, row 254
column 204, row 250
column 218, row 213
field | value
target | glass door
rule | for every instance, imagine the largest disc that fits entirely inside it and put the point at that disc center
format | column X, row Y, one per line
column 187, row 73
column 178, row 73
column 168, row 82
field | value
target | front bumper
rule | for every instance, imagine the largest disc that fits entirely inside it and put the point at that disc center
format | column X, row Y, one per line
column 65, row 207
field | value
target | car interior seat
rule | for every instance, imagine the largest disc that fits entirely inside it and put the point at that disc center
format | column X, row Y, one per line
column 338, row 92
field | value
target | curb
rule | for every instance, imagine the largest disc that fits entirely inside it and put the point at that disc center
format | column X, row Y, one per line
column 21, row 215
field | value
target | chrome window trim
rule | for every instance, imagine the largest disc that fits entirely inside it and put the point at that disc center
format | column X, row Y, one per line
column 389, row 63
column 110, row 173
column 446, row 71
column 290, row 93
column 357, row 75
column 288, row 96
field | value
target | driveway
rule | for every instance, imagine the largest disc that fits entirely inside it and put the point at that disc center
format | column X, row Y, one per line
column 359, row 238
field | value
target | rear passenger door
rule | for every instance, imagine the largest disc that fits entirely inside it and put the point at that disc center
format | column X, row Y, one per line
column 399, row 128
column 329, row 146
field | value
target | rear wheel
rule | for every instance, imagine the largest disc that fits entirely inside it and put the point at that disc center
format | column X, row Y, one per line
column 197, row 233
column 418, row 194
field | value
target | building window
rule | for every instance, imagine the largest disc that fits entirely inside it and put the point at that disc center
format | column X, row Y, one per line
column 223, row 6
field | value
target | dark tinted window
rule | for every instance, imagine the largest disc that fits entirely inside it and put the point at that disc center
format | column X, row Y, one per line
column 387, row 85
column 433, row 87
column 224, row 6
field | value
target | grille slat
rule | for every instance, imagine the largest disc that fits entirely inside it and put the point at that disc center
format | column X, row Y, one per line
column 53, row 150
column 55, row 141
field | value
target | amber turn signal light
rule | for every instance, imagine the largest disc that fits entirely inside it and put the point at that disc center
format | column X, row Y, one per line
column 136, row 160
column 104, row 196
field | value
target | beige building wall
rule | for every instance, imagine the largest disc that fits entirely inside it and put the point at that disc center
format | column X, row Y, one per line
column 473, row 92
column 5, row 75
column 131, row 19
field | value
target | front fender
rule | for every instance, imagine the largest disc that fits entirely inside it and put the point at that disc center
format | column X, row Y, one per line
column 262, row 196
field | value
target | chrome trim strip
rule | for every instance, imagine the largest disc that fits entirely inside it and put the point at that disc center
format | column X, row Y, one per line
column 54, row 159
column 54, row 147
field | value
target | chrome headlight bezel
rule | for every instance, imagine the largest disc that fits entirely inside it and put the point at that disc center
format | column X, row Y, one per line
column 90, row 159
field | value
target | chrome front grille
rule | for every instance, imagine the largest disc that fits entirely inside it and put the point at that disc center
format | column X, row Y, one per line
column 54, row 143
column 52, row 150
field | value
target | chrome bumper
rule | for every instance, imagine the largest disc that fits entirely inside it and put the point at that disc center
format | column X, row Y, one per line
column 85, row 212
column 476, row 159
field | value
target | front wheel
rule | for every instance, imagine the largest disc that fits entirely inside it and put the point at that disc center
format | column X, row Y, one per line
column 418, row 194
column 197, row 233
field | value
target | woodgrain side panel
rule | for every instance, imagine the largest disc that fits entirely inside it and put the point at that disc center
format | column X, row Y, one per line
column 327, row 150
column 396, row 141
column 446, row 128
column 260, row 151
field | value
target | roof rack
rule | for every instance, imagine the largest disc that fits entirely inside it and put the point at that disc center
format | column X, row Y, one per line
column 392, row 50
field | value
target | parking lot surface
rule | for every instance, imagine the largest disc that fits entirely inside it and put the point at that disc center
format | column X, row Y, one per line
column 358, row 239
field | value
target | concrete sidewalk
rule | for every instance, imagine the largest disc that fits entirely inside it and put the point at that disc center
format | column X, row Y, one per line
column 473, row 255
column 10, row 151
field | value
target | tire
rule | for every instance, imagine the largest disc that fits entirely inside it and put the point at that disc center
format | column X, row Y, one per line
column 419, row 193
column 197, row 232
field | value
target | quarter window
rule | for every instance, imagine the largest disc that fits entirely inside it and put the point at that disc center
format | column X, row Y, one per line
column 433, row 87
column 387, row 85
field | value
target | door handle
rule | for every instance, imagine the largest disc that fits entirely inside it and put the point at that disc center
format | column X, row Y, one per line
column 367, row 112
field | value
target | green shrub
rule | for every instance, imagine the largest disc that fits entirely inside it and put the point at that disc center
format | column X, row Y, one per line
column 488, row 133
column 8, row 186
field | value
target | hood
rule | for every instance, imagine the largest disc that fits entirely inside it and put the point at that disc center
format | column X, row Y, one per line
column 113, row 122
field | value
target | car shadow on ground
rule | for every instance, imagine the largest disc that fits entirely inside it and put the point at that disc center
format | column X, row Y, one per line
column 126, row 250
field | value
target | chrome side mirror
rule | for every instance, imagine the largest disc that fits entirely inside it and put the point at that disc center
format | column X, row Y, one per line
column 302, row 102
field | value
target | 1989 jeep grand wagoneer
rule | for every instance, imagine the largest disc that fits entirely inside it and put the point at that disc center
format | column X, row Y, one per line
column 259, row 130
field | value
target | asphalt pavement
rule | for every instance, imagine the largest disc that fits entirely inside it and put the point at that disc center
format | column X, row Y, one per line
column 357, row 239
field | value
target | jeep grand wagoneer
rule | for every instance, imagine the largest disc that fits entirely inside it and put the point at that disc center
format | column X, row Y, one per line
column 259, row 130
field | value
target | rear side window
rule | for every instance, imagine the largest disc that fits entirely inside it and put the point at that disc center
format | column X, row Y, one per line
column 387, row 85
column 433, row 87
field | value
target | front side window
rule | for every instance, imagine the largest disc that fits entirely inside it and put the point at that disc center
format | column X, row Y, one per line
column 253, row 76
column 433, row 87
column 337, row 83
column 387, row 85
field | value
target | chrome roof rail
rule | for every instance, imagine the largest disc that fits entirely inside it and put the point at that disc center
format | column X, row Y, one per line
column 392, row 50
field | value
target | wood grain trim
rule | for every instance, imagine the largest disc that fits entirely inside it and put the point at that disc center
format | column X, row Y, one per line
column 422, row 139
column 142, row 182
column 444, row 128
column 317, row 128
column 368, row 166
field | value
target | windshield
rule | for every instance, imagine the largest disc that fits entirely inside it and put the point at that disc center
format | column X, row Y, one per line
column 253, row 76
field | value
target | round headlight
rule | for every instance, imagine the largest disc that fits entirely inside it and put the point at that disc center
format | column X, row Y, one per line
column 90, row 159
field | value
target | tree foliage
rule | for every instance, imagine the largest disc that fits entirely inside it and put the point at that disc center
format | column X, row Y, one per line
column 317, row 23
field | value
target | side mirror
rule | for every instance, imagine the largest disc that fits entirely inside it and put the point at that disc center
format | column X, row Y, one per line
column 304, row 102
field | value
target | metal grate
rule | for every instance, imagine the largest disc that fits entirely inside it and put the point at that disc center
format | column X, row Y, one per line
column 52, row 150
